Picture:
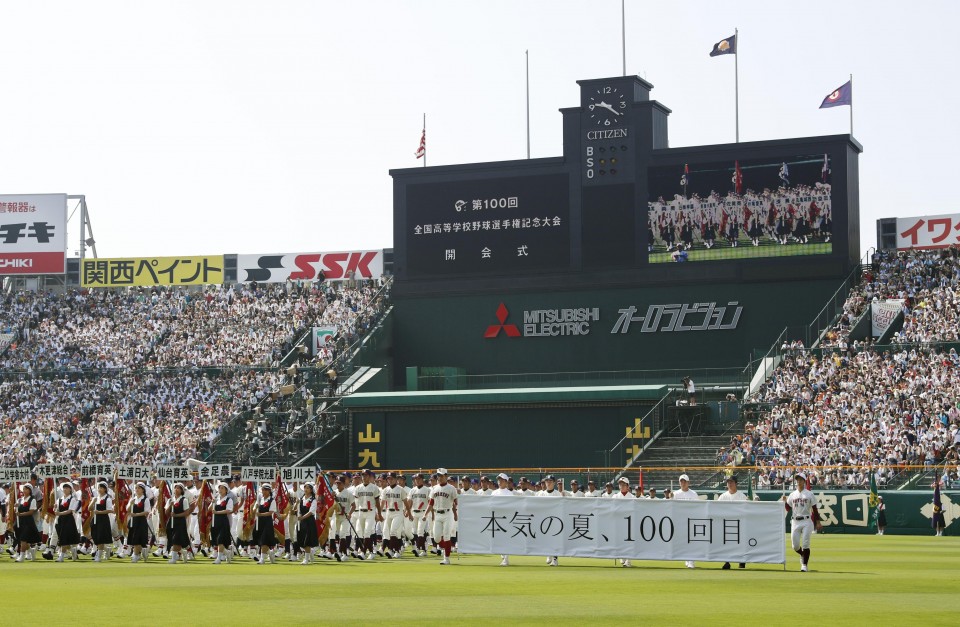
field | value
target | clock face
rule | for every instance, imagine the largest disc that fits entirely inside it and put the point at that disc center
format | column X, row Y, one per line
column 607, row 106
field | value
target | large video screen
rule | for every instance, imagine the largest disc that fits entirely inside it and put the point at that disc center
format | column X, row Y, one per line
column 743, row 209
column 503, row 226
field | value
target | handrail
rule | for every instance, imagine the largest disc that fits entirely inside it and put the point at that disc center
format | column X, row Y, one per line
column 656, row 407
column 857, row 269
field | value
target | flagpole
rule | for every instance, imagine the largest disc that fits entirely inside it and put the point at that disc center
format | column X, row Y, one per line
column 851, row 105
column 623, row 33
column 736, row 82
column 424, row 134
column 527, row 53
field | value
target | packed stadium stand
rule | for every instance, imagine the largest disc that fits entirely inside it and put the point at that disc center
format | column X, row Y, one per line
column 146, row 376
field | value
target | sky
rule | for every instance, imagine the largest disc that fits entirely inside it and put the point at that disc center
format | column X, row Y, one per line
column 207, row 127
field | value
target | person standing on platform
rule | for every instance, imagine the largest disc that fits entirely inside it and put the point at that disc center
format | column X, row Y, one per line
column 686, row 494
column 732, row 494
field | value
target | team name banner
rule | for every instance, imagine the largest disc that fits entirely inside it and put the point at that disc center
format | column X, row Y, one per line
column 258, row 473
column 214, row 471
column 133, row 472
column 45, row 471
column 151, row 271
column 95, row 471
column 710, row 531
column 14, row 474
column 174, row 473
column 299, row 474
column 883, row 313
column 336, row 266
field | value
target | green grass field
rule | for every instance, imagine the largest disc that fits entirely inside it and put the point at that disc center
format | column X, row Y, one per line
column 746, row 251
column 855, row 580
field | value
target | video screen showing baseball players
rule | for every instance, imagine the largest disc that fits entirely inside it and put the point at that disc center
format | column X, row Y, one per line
column 740, row 210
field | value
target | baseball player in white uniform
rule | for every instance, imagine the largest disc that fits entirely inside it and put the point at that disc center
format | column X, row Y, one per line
column 367, row 495
column 419, row 499
column 686, row 494
column 395, row 511
column 346, row 505
column 592, row 491
column 443, row 506
column 802, row 505
column 503, row 489
column 550, row 490
column 732, row 494
column 624, row 493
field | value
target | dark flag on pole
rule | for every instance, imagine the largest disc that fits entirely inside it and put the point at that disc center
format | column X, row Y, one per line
column 825, row 170
column 725, row 46
column 785, row 174
column 842, row 95
column 737, row 179
column 685, row 179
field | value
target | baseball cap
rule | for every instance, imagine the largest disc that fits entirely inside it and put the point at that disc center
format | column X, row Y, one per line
column 367, row 472
column 575, row 481
column 503, row 476
column 591, row 482
column 549, row 478
column 623, row 480
column 475, row 480
column 484, row 478
column 732, row 478
column 391, row 475
column 684, row 477
column 441, row 471
column 800, row 475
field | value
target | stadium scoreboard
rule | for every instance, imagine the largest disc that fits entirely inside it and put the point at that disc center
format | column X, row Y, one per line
column 620, row 205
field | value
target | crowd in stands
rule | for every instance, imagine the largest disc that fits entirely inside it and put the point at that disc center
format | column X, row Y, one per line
column 864, row 409
column 115, row 375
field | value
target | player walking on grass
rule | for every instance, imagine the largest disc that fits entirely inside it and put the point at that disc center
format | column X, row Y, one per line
column 443, row 506
column 802, row 505
column 732, row 494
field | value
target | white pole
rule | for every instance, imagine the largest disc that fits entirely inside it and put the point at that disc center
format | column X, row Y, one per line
column 528, row 103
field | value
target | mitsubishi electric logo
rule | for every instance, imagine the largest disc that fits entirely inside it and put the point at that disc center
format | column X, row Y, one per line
column 494, row 329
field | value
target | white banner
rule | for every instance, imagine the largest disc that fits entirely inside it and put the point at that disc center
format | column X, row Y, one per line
column 133, row 472
column 258, row 473
column 336, row 266
column 928, row 231
column 174, row 473
column 33, row 234
column 14, row 474
column 710, row 531
column 883, row 313
column 96, row 471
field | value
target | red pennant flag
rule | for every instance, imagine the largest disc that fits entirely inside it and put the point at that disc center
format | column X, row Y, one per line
column 422, row 150
column 737, row 177
column 205, row 516
column 122, row 494
column 283, row 503
column 324, row 503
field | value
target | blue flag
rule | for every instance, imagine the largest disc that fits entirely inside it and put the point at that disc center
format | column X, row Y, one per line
column 725, row 46
column 843, row 95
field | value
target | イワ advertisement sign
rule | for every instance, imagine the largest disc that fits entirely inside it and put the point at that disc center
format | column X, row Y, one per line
column 33, row 234
column 928, row 231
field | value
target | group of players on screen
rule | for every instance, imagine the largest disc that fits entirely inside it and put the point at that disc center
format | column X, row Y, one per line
column 797, row 215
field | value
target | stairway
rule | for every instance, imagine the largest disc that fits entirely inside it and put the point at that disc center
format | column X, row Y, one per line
column 678, row 454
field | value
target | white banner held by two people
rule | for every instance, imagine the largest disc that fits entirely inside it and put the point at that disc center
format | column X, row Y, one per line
column 710, row 531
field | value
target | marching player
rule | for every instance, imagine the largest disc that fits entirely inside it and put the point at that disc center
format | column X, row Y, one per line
column 346, row 505
column 68, row 537
column 101, row 533
column 264, row 535
column 26, row 531
column 503, row 489
column 686, row 494
column 307, row 523
column 802, row 504
column 419, row 499
column 624, row 493
column 550, row 490
column 222, row 508
column 179, row 512
column 396, row 509
column 139, row 534
column 732, row 494
column 443, row 506
column 368, row 503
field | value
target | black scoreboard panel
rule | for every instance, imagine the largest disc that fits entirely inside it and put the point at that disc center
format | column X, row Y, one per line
column 609, row 219
column 499, row 226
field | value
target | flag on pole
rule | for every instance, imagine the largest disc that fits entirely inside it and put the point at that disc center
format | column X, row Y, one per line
column 685, row 178
column 283, row 506
column 325, row 502
column 725, row 46
column 640, row 479
column 204, row 515
column 825, row 170
column 737, row 177
column 874, row 499
column 122, row 493
column 162, row 498
column 785, row 174
column 750, row 485
column 842, row 95
column 422, row 150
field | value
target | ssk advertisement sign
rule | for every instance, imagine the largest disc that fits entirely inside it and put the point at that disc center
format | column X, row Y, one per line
column 335, row 266
column 33, row 234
